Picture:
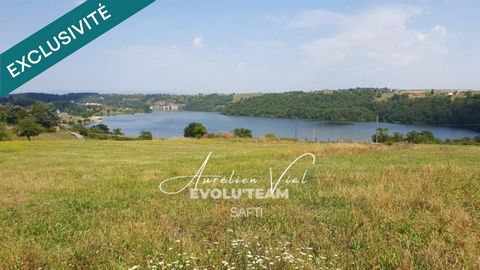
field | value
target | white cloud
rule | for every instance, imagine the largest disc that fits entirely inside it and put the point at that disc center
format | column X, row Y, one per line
column 197, row 42
column 377, row 36
column 440, row 29
column 316, row 18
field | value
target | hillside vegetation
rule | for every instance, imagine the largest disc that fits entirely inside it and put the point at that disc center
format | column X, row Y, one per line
column 208, row 103
column 360, row 104
column 96, row 205
column 364, row 105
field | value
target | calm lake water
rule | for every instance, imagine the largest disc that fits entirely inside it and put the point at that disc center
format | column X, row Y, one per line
column 171, row 124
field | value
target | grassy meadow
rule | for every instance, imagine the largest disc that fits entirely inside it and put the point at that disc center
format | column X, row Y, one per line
column 96, row 205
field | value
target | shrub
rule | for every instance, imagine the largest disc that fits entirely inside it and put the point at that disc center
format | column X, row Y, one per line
column 4, row 134
column 270, row 136
column 195, row 130
column 145, row 135
column 477, row 139
column 80, row 129
column 242, row 133
column 397, row 137
column 411, row 137
column 101, row 128
column 382, row 135
column 117, row 131
column 421, row 137
column 464, row 141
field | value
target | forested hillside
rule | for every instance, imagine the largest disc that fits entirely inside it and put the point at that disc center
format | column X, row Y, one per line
column 342, row 105
column 208, row 103
column 364, row 105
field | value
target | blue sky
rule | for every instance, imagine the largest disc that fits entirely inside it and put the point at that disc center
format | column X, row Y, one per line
column 180, row 46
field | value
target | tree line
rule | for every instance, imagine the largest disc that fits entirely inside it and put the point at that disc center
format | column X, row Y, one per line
column 198, row 130
column 74, row 104
column 383, row 135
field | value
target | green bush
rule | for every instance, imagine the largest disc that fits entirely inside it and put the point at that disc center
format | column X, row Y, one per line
column 195, row 130
column 413, row 137
column 4, row 134
column 101, row 128
column 270, row 136
column 146, row 135
column 82, row 130
column 117, row 131
column 421, row 137
column 242, row 133
column 382, row 135
column 397, row 137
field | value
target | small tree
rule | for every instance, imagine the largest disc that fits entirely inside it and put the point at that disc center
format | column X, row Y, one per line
column 117, row 131
column 242, row 133
column 101, row 128
column 145, row 135
column 195, row 130
column 29, row 128
column 4, row 134
column 382, row 135
column 477, row 139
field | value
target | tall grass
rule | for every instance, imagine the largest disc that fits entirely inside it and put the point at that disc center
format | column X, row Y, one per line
column 96, row 205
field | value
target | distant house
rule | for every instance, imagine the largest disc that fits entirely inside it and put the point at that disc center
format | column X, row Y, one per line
column 165, row 106
column 328, row 91
column 93, row 104
column 451, row 94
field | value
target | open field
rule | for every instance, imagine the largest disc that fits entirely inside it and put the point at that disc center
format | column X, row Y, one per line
column 96, row 205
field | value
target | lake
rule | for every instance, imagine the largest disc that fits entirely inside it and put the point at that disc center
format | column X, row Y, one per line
column 171, row 124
